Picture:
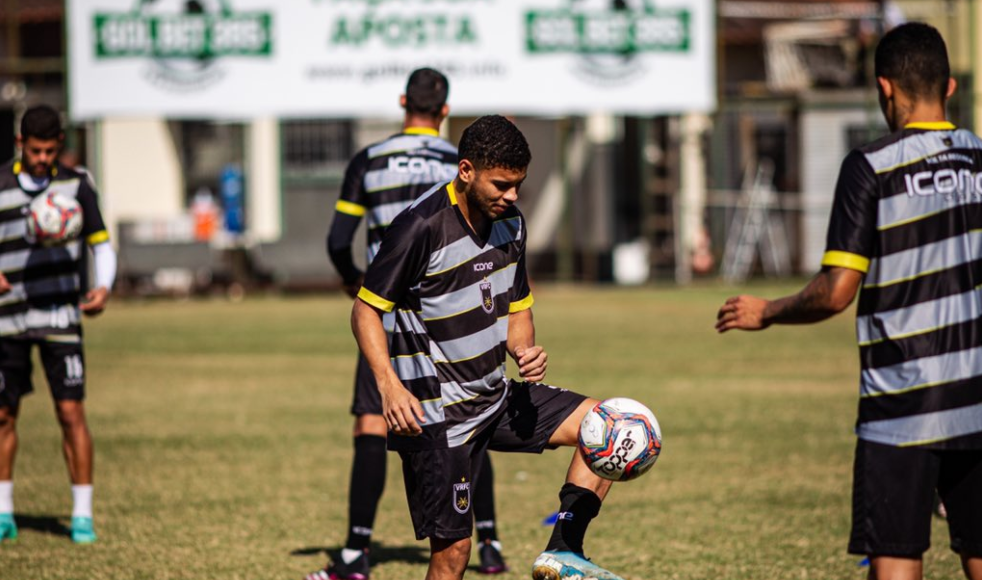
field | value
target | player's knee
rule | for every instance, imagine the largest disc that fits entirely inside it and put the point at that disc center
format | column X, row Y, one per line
column 71, row 416
column 453, row 553
column 370, row 425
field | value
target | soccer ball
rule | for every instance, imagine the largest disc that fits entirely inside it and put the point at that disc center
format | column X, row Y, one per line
column 54, row 219
column 620, row 439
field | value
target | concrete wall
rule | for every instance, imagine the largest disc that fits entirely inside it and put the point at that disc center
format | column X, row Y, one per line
column 139, row 171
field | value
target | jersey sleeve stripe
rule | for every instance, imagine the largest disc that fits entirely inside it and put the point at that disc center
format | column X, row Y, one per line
column 375, row 300
column 839, row 259
column 352, row 209
column 98, row 237
column 523, row 304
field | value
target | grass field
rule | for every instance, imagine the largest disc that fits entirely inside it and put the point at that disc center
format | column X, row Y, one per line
column 223, row 445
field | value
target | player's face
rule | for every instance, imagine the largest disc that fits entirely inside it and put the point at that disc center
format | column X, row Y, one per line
column 494, row 190
column 38, row 155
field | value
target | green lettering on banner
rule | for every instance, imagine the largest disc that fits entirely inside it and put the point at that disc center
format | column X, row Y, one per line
column 608, row 32
column 183, row 35
column 402, row 31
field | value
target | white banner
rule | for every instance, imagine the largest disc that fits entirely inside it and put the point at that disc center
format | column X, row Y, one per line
column 350, row 58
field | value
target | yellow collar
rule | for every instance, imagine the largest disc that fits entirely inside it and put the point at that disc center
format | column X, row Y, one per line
column 933, row 126
column 452, row 192
column 421, row 131
column 18, row 167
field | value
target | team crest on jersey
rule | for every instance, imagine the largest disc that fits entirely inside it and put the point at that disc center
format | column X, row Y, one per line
column 462, row 497
column 487, row 298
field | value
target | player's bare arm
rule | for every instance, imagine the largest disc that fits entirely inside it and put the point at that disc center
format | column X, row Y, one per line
column 401, row 409
column 827, row 294
column 530, row 358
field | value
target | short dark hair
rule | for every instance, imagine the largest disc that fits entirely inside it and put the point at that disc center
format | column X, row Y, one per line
column 915, row 57
column 41, row 122
column 494, row 141
column 426, row 92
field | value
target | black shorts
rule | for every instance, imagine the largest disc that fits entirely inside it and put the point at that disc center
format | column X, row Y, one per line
column 367, row 400
column 439, row 481
column 64, row 367
column 893, row 498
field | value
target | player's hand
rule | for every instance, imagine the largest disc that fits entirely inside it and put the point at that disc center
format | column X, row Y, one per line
column 401, row 410
column 352, row 289
column 743, row 313
column 4, row 284
column 532, row 362
column 95, row 301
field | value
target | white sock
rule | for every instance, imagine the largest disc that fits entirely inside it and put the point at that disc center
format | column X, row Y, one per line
column 348, row 555
column 6, row 497
column 82, row 496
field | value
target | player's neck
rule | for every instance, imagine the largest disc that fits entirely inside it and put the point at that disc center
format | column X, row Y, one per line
column 919, row 111
column 421, row 122
column 472, row 215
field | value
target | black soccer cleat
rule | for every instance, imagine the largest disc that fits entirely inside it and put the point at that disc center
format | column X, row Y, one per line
column 492, row 562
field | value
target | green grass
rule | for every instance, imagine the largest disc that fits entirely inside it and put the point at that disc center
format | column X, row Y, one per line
column 223, row 445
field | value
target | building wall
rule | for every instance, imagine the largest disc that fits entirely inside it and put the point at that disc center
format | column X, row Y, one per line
column 139, row 171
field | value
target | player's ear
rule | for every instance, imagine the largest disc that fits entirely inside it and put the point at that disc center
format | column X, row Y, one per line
column 445, row 111
column 402, row 101
column 952, row 86
column 466, row 170
column 885, row 86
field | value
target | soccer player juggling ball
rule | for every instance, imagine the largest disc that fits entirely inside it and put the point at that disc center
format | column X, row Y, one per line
column 379, row 183
column 906, row 225
column 452, row 270
column 41, row 296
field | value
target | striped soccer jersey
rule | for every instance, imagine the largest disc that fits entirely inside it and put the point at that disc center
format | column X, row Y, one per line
column 908, row 213
column 46, row 282
column 452, row 294
column 383, row 179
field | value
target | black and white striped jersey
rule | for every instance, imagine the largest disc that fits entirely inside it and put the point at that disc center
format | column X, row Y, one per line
column 384, row 178
column 452, row 294
column 46, row 282
column 908, row 213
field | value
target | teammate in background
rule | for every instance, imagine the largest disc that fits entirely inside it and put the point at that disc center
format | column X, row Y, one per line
column 906, row 225
column 450, row 281
column 380, row 182
column 40, row 301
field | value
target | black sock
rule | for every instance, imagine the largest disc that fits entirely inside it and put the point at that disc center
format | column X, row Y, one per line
column 484, row 502
column 367, row 483
column 577, row 506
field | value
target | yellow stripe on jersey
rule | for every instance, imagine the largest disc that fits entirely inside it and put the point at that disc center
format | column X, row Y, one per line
column 523, row 304
column 932, row 125
column 452, row 192
column 421, row 131
column 375, row 300
column 98, row 237
column 839, row 259
column 350, row 208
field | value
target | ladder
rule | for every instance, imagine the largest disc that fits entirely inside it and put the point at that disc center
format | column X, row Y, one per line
column 756, row 229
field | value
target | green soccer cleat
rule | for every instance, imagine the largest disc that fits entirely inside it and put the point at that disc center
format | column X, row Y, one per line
column 568, row 565
column 82, row 532
column 8, row 527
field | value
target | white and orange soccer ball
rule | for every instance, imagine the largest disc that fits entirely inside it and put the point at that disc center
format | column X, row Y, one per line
column 620, row 439
column 54, row 219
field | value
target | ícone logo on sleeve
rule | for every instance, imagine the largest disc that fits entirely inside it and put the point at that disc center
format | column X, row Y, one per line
column 462, row 496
